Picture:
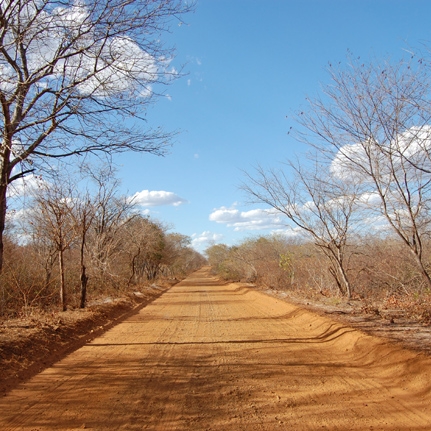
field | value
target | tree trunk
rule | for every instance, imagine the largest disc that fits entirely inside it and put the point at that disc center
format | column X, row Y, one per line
column 84, row 281
column 63, row 296
column 338, row 271
column 345, row 281
column 84, row 277
column 3, row 205
column 334, row 274
column 133, row 267
column 49, row 265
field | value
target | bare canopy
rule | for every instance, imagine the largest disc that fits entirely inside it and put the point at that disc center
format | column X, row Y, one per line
column 76, row 77
column 373, row 124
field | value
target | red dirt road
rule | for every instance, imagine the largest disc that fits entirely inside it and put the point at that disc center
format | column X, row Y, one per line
column 208, row 356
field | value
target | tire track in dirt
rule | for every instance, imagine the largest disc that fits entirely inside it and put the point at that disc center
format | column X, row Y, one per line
column 214, row 356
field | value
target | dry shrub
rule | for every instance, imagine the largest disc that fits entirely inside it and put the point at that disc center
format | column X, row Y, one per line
column 384, row 268
column 381, row 271
column 312, row 276
column 24, row 283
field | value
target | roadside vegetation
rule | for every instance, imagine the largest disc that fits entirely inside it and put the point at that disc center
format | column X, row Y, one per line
column 67, row 246
column 357, row 203
column 384, row 278
column 76, row 81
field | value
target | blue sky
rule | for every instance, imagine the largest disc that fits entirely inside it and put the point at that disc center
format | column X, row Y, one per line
column 250, row 64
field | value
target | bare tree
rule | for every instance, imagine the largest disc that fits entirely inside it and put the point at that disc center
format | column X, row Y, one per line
column 154, row 241
column 84, row 213
column 317, row 203
column 53, row 213
column 112, row 212
column 145, row 246
column 374, row 123
column 177, row 255
column 76, row 78
column 45, row 248
column 186, row 260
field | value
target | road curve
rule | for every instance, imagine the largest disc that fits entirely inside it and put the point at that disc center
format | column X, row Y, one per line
column 214, row 356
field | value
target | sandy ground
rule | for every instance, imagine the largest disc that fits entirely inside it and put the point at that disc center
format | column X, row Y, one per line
column 208, row 356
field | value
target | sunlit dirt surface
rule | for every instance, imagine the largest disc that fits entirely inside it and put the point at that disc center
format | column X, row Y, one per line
column 208, row 356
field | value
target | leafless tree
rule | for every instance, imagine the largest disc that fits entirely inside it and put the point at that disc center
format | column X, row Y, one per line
column 185, row 259
column 177, row 255
column 45, row 248
column 142, row 242
column 84, row 212
column 76, row 78
column 112, row 212
column 316, row 202
column 153, row 251
column 374, row 123
column 53, row 213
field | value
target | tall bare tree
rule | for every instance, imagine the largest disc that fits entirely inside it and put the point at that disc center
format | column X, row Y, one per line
column 84, row 212
column 374, row 123
column 76, row 77
column 320, row 205
column 53, row 213
column 112, row 212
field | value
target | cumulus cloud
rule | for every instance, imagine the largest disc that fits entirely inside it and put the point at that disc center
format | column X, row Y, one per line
column 130, row 64
column 344, row 165
column 147, row 198
column 16, row 219
column 371, row 199
column 414, row 144
column 108, row 67
column 24, row 185
column 248, row 220
column 202, row 240
column 290, row 232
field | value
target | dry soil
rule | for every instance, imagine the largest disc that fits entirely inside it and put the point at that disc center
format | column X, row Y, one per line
column 213, row 356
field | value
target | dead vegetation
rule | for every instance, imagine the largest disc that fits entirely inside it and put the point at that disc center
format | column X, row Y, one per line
column 389, row 299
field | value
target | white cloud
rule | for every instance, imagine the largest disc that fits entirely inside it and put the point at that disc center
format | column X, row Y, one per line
column 25, row 185
column 119, row 61
column 148, row 198
column 204, row 239
column 346, row 161
column 130, row 64
column 414, row 144
column 18, row 221
column 248, row 220
column 18, row 215
column 290, row 232
column 371, row 199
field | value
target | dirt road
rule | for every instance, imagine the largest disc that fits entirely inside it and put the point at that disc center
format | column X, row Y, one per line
column 208, row 356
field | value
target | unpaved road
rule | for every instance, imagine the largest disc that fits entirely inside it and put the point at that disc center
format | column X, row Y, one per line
column 208, row 356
